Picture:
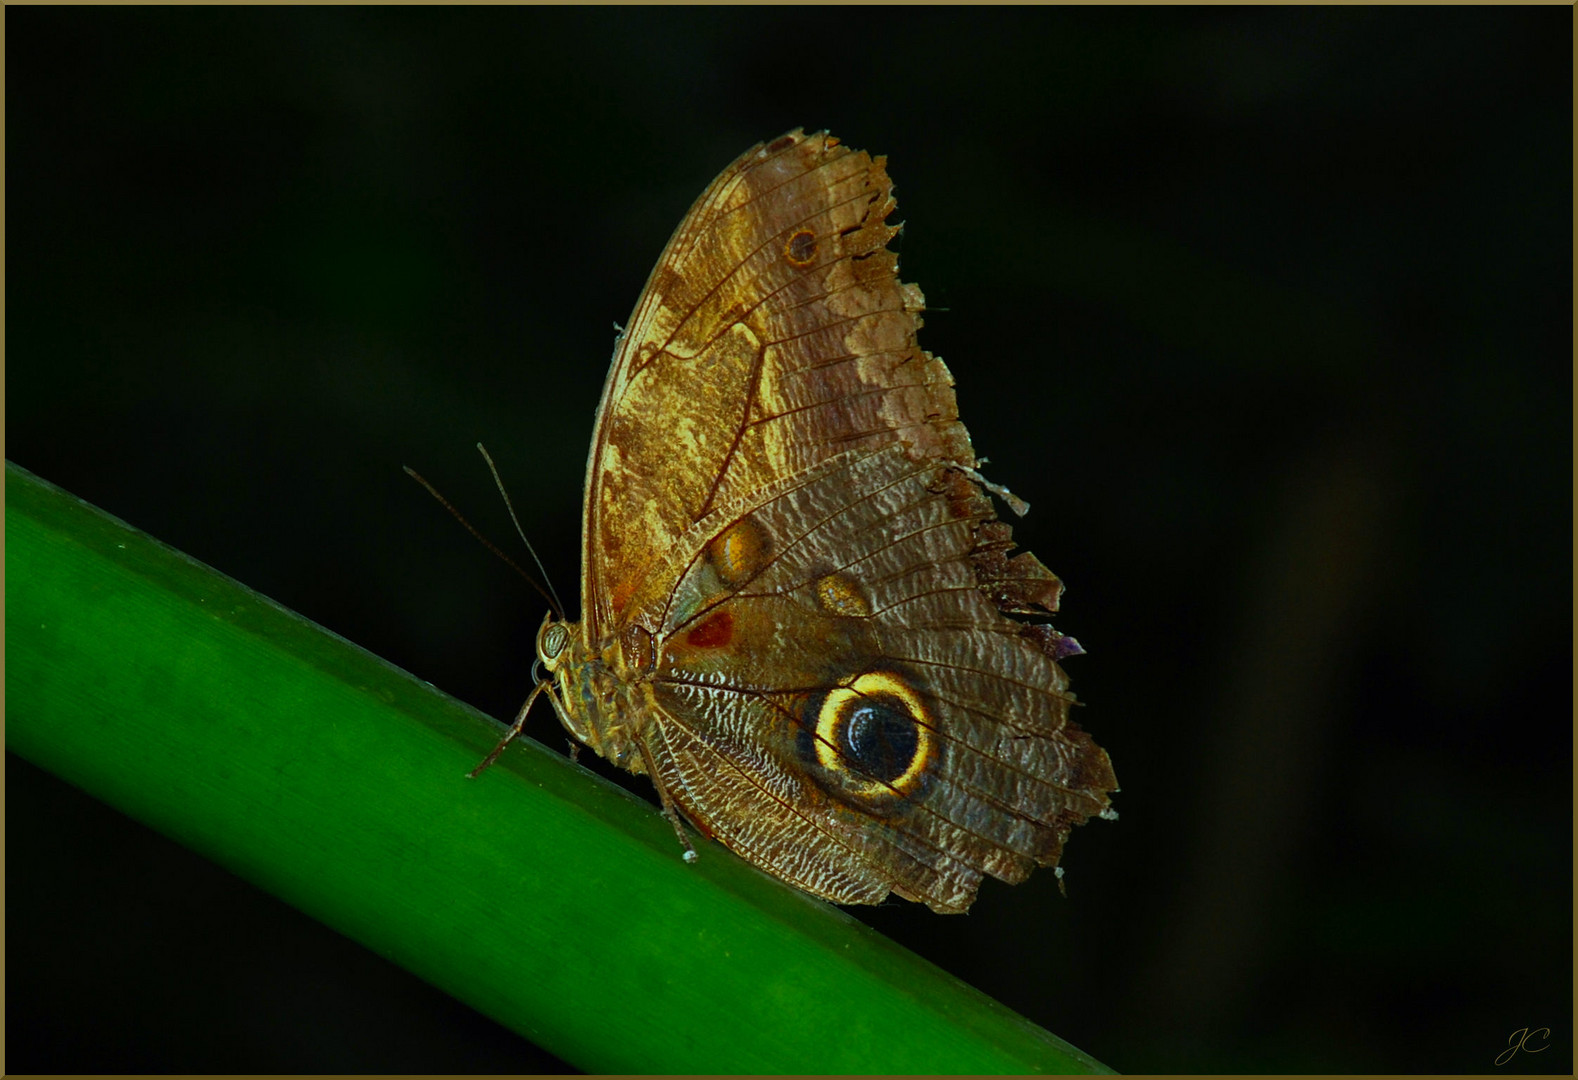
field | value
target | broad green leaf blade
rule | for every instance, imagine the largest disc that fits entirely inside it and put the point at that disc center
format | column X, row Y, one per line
column 539, row 894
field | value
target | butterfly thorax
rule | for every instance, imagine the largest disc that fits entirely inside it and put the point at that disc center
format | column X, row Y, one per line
column 598, row 696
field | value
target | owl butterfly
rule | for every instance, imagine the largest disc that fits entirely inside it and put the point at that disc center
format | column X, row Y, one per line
column 795, row 593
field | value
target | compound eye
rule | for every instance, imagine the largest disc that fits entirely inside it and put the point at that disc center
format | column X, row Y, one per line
column 552, row 641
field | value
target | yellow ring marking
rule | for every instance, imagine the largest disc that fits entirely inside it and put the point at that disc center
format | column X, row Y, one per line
column 840, row 700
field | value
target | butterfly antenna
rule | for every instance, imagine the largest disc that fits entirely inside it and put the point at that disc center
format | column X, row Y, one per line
column 510, row 506
column 485, row 542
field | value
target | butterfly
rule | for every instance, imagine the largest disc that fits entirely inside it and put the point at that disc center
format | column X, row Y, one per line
column 801, row 617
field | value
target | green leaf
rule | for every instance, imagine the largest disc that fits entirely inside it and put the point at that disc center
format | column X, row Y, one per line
column 541, row 895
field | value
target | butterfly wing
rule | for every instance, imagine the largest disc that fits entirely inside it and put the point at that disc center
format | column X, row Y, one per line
column 869, row 584
column 780, row 493
column 772, row 334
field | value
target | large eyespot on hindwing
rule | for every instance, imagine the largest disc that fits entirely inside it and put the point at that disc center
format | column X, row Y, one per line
column 870, row 738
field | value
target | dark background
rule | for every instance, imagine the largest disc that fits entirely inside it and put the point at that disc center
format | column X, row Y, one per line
column 1267, row 312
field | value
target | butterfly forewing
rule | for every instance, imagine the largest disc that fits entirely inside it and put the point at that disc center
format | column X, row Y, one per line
column 772, row 335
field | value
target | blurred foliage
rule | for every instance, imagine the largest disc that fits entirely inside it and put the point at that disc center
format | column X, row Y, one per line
column 1266, row 311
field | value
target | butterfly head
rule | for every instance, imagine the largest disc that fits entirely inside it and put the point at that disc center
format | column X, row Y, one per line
column 556, row 656
column 553, row 643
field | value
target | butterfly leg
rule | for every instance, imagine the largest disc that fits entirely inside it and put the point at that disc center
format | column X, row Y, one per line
column 670, row 811
column 515, row 729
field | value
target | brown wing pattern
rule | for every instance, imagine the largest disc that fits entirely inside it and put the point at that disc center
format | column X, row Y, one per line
column 780, row 495
column 772, row 334
column 867, row 567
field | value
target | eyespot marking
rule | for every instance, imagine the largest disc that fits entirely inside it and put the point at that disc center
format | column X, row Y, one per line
column 874, row 735
column 738, row 551
column 839, row 595
column 801, row 249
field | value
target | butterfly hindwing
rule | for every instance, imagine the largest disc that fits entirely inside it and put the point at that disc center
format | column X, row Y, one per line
column 855, row 591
